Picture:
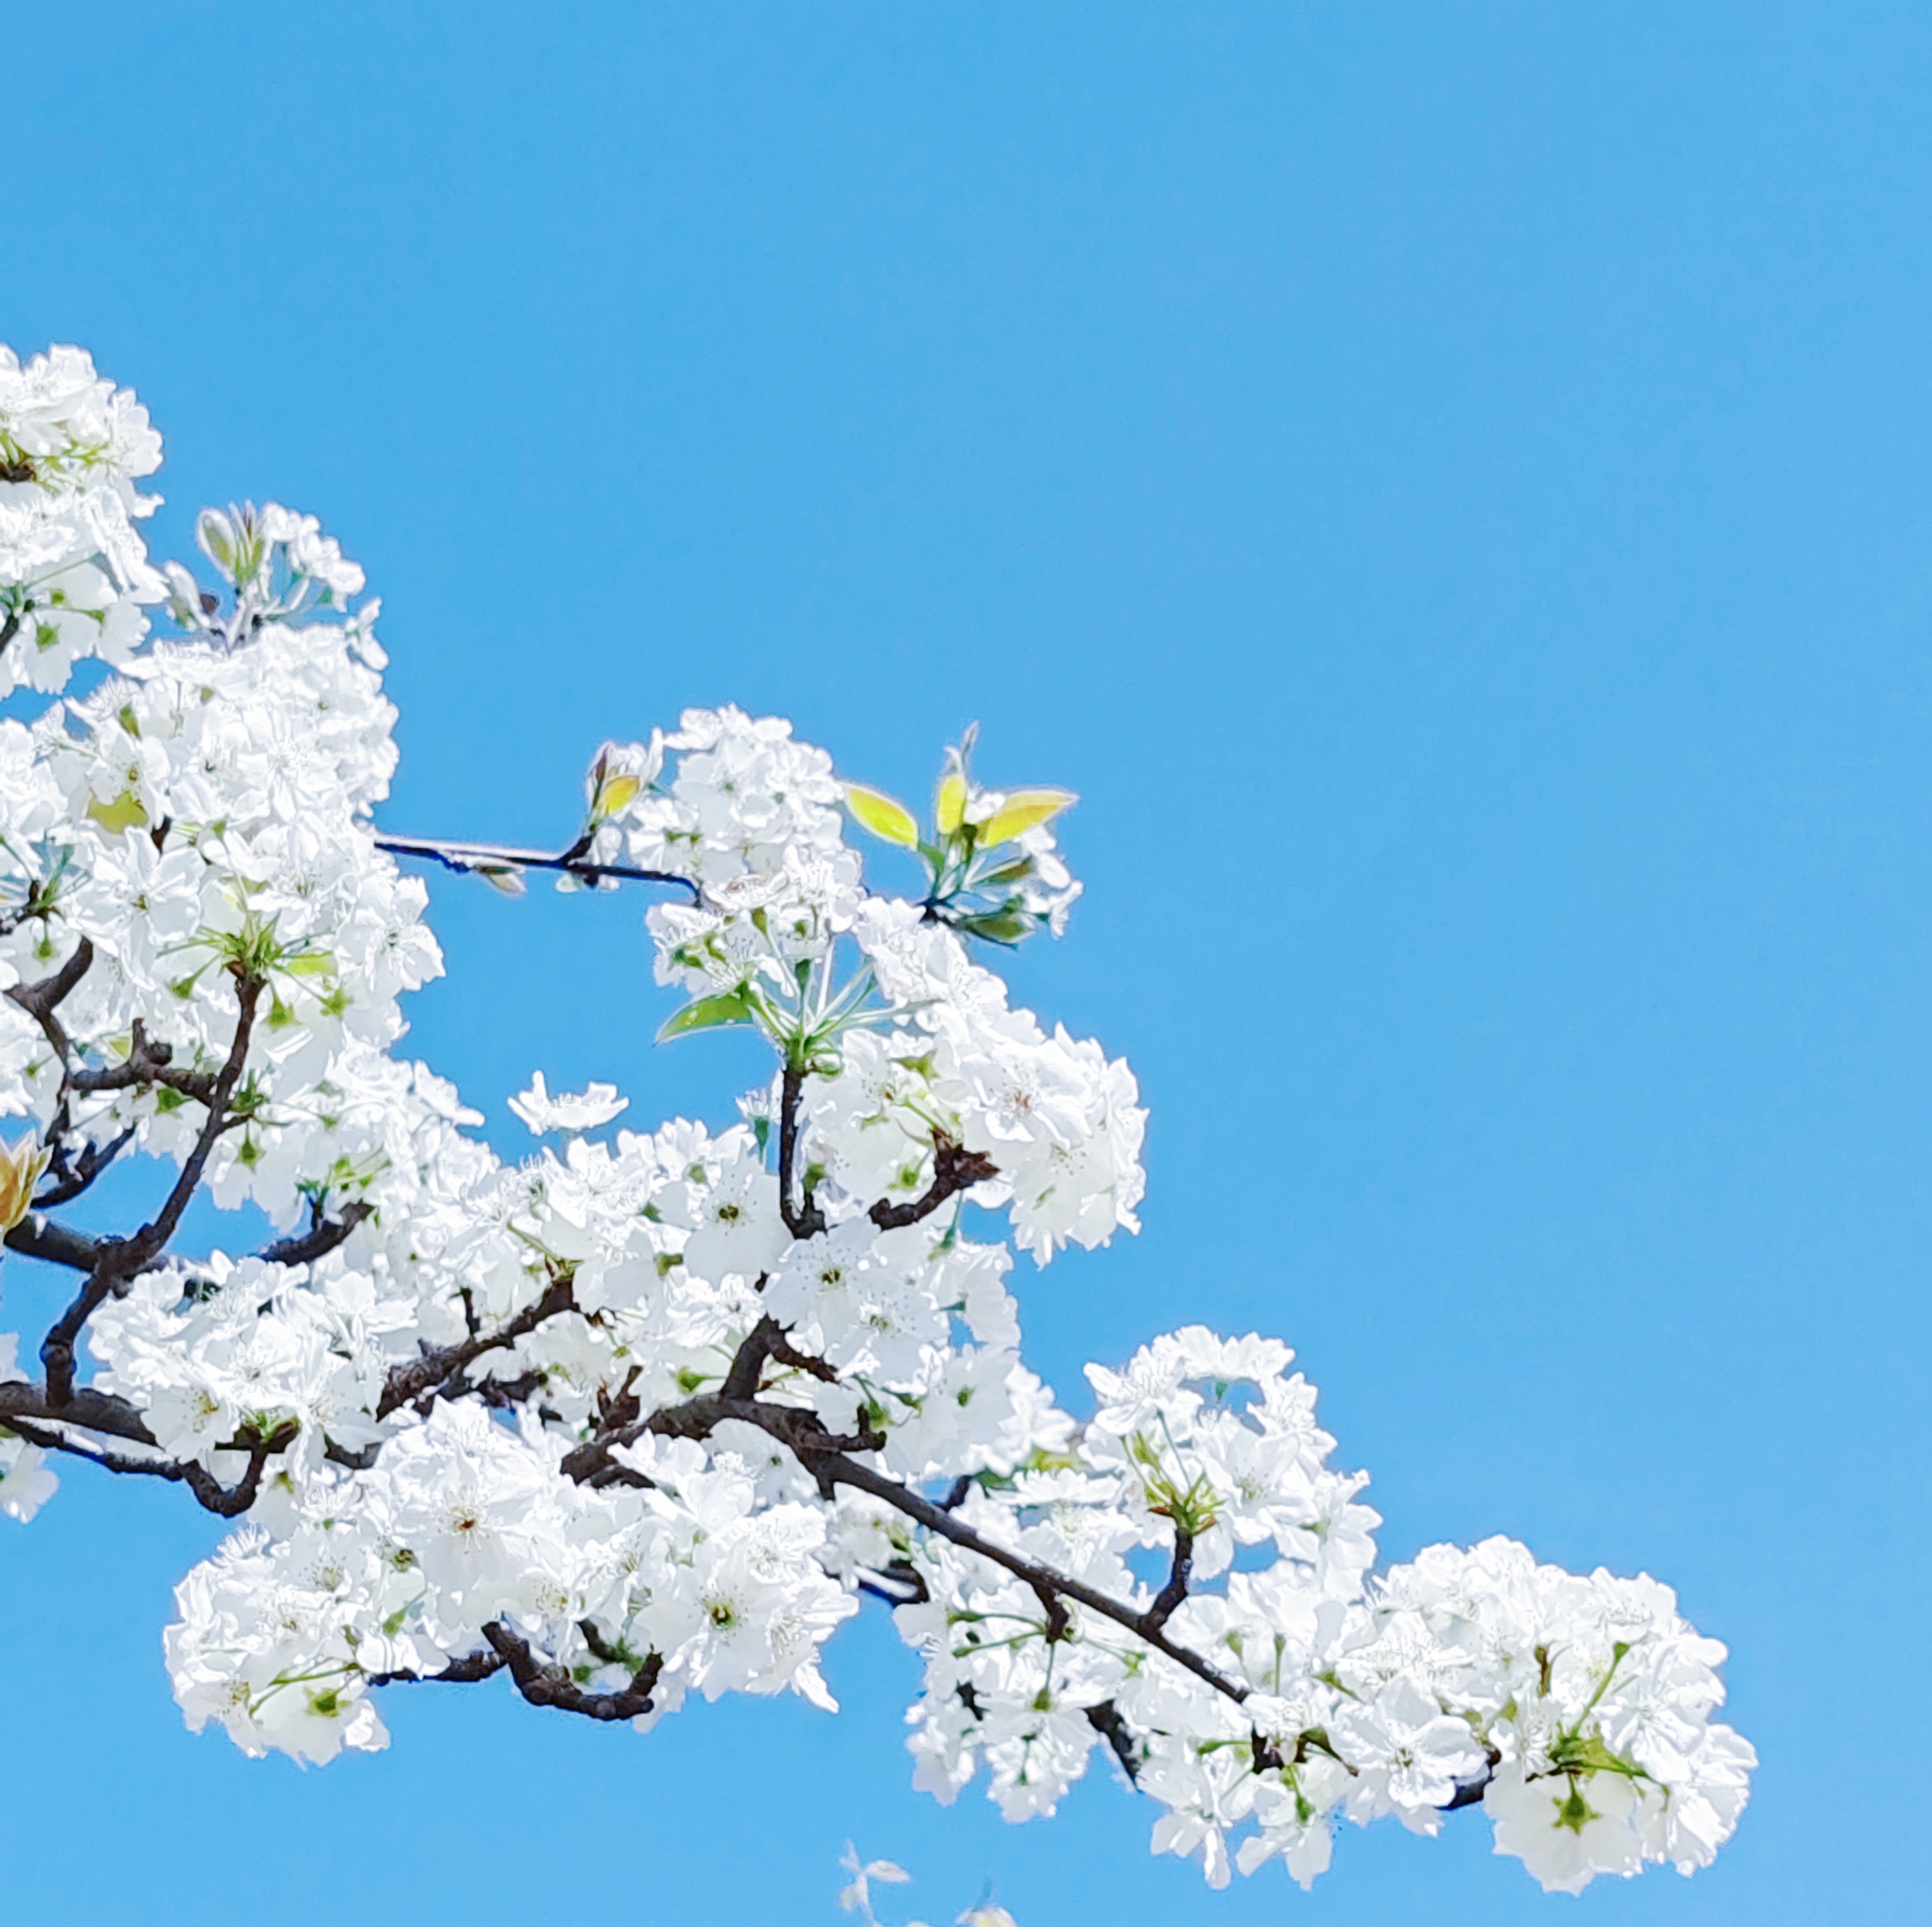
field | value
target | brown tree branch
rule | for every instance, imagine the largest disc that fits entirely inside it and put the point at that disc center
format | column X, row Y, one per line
column 439, row 1372
column 322, row 1237
column 89, row 1410
column 1171, row 1595
column 954, row 1169
column 26, row 1410
column 147, row 1062
column 551, row 1686
column 464, row 1672
column 839, row 1470
column 38, row 1237
column 71, row 1180
column 119, row 1260
column 826, row 1456
column 471, row 859
column 39, row 1000
column 1105, row 1720
column 802, row 1216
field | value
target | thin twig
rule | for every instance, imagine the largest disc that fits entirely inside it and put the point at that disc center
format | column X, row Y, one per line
column 470, row 859
column 439, row 1372
column 802, row 1216
column 322, row 1237
column 119, row 1260
column 954, row 1169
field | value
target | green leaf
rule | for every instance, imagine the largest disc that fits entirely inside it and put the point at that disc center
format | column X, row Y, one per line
column 1000, row 926
column 882, row 815
column 310, row 963
column 1022, row 811
column 949, row 805
column 505, row 876
column 708, row 1014
column 125, row 812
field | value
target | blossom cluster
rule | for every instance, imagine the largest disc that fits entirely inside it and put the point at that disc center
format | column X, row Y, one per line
column 74, row 575
column 644, row 1415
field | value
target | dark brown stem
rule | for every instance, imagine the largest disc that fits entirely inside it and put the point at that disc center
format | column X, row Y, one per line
column 747, row 1362
column 37, row 1237
column 838, row 1470
column 71, row 1180
column 439, row 1372
column 231, row 1501
column 1469, row 1793
column 89, row 1410
column 40, row 1000
column 148, row 1243
column 1171, row 1595
column 1105, row 1720
column 322, row 1237
column 118, row 1261
column 825, row 1457
column 468, row 859
column 147, row 1062
column 24, row 1409
column 552, row 1686
column 954, row 1169
column 802, row 1217
column 464, row 1672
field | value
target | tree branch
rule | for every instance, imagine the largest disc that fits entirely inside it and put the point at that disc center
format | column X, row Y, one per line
column 1469, row 1793
column 439, row 1372
column 464, row 1672
column 147, row 1062
column 231, row 1501
column 118, row 1260
column 834, row 1468
column 38, row 1237
column 954, row 1169
column 322, row 1237
column 552, row 1686
column 90, row 1410
column 71, row 1180
column 24, row 1409
column 148, row 1243
column 825, row 1457
column 40, row 1000
column 1171, row 1595
column 803, row 1219
column 469, row 859
column 1105, row 1720
column 839, row 1470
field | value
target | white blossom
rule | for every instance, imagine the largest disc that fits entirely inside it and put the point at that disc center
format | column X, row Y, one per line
column 639, row 1419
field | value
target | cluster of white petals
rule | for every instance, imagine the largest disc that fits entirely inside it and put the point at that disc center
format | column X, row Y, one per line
column 74, row 574
column 644, row 1415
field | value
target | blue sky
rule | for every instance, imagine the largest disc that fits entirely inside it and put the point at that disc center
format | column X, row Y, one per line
column 1448, row 487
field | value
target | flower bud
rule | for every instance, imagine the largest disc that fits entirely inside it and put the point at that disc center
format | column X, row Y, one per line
column 20, row 1168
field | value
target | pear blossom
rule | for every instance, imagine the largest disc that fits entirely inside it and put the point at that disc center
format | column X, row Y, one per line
column 640, row 1419
column 574, row 1111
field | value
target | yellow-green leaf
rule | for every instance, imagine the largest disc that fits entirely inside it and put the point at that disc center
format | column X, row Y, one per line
column 1023, row 810
column 310, row 963
column 124, row 812
column 616, row 793
column 881, row 816
column 708, row 1014
column 949, row 806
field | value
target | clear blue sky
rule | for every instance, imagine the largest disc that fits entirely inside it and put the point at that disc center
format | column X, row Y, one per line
column 1448, row 485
